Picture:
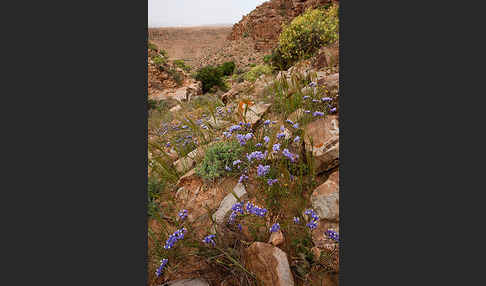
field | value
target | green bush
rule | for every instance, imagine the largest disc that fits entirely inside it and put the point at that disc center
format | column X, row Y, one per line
column 216, row 158
column 209, row 76
column 307, row 33
column 227, row 68
column 152, row 46
column 267, row 59
column 176, row 75
column 181, row 64
column 159, row 60
column 255, row 72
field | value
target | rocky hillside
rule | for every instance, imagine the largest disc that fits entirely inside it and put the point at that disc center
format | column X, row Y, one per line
column 189, row 43
column 166, row 80
column 241, row 52
column 264, row 24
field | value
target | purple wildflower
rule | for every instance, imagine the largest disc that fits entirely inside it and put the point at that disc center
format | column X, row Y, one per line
column 236, row 162
column 168, row 144
column 296, row 125
column 182, row 214
column 272, row 181
column 173, row 238
column 296, row 220
column 325, row 99
column 296, row 139
column 313, row 84
column 318, row 113
column 289, row 155
column 256, row 155
column 289, row 122
column 332, row 235
column 259, row 145
column 234, row 128
column 312, row 224
column 333, row 110
column 248, row 136
column 242, row 178
column 239, row 227
column 266, row 122
column 160, row 269
column 263, row 170
column 306, row 97
column 307, row 111
column 275, row 227
column 266, row 139
column 227, row 134
column 227, row 168
column 209, row 239
column 276, row 147
column 280, row 135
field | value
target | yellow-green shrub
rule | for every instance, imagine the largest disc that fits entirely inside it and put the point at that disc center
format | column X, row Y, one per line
column 255, row 72
column 308, row 32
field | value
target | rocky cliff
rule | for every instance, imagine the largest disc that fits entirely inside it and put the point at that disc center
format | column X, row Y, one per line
column 264, row 24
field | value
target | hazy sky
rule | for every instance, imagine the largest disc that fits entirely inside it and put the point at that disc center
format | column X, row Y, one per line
column 198, row 12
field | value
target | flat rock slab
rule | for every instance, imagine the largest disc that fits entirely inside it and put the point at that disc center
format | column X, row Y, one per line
column 322, row 138
column 227, row 203
column 269, row 264
column 325, row 198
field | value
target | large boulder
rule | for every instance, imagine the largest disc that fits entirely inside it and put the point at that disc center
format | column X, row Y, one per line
column 269, row 264
column 325, row 198
column 322, row 139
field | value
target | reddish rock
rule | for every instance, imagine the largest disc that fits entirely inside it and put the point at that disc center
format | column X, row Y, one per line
column 269, row 264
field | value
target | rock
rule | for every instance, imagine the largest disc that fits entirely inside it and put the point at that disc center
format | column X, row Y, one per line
column 330, row 81
column 175, row 108
column 187, row 282
column 322, row 138
column 276, row 238
column 218, row 123
column 224, row 210
column 325, row 199
column 297, row 115
column 255, row 112
column 184, row 164
column 269, row 264
column 326, row 57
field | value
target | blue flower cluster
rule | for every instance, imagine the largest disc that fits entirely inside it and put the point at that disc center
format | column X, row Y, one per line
column 243, row 178
column 332, row 235
column 296, row 139
column 289, row 155
column 275, row 227
column 276, row 147
column 326, row 99
column 255, row 210
column 209, row 239
column 296, row 220
column 173, row 238
column 318, row 113
column 258, row 155
column 250, row 208
column 244, row 138
column 183, row 214
column 271, row 181
column 262, row 170
column 314, row 218
column 160, row 269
